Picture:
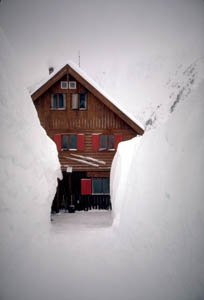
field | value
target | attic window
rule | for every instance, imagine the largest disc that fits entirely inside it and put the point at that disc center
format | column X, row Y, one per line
column 64, row 85
column 58, row 101
column 79, row 101
column 72, row 85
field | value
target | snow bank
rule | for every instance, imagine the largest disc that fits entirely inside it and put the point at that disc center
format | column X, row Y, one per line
column 157, row 193
column 29, row 168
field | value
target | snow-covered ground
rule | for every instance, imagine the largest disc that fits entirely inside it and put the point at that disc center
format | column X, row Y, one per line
column 155, row 247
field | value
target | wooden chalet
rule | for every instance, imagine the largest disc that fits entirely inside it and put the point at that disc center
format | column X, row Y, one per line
column 87, row 127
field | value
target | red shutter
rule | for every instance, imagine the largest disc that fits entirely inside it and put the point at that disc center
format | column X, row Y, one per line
column 80, row 142
column 95, row 142
column 118, row 139
column 86, row 186
column 58, row 141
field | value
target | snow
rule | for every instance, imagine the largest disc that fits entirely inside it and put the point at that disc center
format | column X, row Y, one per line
column 29, row 168
column 159, row 205
column 82, row 161
column 90, row 158
column 155, row 247
column 83, row 74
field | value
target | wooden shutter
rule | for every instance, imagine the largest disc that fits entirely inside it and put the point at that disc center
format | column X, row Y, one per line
column 118, row 139
column 95, row 142
column 80, row 142
column 86, row 186
column 58, row 141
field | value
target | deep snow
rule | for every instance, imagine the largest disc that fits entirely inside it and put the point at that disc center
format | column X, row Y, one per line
column 154, row 250
column 28, row 173
column 159, row 208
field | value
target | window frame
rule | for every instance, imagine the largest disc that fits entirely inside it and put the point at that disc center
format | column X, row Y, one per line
column 72, row 87
column 58, row 101
column 63, row 82
column 102, row 185
column 77, row 105
column 78, row 142
column 100, row 143
column 109, row 142
column 85, row 101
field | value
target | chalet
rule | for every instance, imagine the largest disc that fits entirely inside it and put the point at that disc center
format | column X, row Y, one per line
column 87, row 126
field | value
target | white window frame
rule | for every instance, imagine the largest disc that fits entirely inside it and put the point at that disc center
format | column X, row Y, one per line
column 72, row 85
column 64, row 85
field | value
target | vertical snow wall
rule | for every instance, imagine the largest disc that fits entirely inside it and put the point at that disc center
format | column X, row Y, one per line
column 158, row 204
column 29, row 169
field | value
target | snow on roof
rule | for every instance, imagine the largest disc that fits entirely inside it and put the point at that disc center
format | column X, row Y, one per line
column 91, row 82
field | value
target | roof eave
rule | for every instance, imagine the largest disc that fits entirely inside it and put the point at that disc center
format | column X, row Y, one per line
column 56, row 76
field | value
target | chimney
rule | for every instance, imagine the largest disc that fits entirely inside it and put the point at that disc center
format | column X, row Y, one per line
column 51, row 69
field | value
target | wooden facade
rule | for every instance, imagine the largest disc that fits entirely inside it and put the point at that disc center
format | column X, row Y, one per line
column 85, row 125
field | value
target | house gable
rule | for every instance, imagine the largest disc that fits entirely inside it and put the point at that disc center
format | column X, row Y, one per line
column 104, row 106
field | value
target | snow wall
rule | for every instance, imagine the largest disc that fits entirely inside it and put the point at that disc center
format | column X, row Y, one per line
column 158, row 204
column 28, row 173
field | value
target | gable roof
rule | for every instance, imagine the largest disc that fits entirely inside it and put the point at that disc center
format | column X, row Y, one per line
column 92, row 87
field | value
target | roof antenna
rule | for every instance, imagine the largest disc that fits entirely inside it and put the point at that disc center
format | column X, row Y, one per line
column 79, row 59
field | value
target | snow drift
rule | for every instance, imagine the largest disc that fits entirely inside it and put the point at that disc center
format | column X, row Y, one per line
column 157, row 195
column 29, row 168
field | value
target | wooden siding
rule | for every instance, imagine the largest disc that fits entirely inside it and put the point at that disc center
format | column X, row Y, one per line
column 68, row 73
column 97, row 119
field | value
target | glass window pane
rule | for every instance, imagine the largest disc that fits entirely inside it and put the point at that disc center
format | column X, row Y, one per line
column 54, row 101
column 64, row 142
column 97, row 186
column 106, row 186
column 111, row 142
column 82, row 101
column 74, row 101
column 73, row 142
column 61, row 100
column 102, row 142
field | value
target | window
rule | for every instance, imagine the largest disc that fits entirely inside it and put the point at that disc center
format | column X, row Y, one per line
column 64, row 85
column 65, row 142
column 79, row 101
column 70, row 142
column 111, row 142
column 82, row 101
column 72, row 85
column 73, row 142
column 58, row 101
column 103, row 139
column 105, row 142
column 100, row 186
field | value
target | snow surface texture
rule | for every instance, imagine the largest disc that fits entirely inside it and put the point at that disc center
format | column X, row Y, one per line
column 158, row 204
column 154, row 250
column 29, row 167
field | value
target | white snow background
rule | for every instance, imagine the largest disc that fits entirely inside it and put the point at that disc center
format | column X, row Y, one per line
column 155, row 248
column 28, row 174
